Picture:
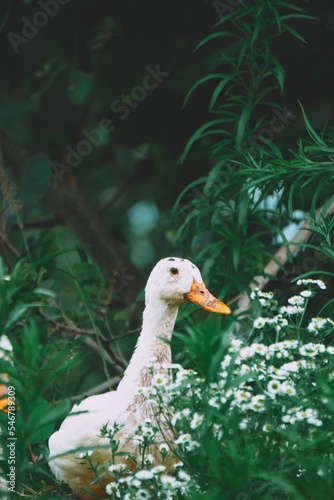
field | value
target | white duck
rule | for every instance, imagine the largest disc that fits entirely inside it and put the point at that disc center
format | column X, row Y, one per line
column 172, row 281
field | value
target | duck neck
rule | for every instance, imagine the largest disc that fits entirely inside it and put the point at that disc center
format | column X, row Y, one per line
column 158, row 323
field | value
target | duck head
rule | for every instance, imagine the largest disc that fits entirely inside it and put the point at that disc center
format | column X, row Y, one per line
column 174, row 280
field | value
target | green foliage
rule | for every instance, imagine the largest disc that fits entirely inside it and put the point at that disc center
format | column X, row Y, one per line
column 232, row 218
column 252, row 74
column 32, row 363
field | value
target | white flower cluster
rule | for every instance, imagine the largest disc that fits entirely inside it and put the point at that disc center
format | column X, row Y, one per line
column 266, row 299
column 317, row 324
column 151, row 480
column 148, row 483
column 266, row 386
column 296, row 304
column 260, row 378
column 278, row 322
column 310, row 415
column 318, row 283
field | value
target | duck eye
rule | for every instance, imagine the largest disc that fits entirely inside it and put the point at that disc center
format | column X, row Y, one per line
column 174, row 270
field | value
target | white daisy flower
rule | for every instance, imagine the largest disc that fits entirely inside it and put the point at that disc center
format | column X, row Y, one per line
column 183, row 438
column 247, row 352
column 117, row 468
column 164, row 448
column 144, row 474
column 260, row 349
column 196, row 420
column 244, row 369
column 112, row 488
column 290, row 344
column 296, row 300
column 214, row 403
column 294, row 366
column 311, row 349
column 290, row 310
column 314, row 421
column 142, row 494
column 135, row 482
column 254, row 293
column 243, row 424
column 183, row 476
column 305, row 414
column 287, row 389
column 148, row 459
column 264, row 302
column 316, row 324
column 273, row 387
column 260, row 322
column 257, row 403
column 187, row 442
column 242, row 396
column 168, row 481
column 306, row 293
column 147, row 431
column 159, row 381
column 289, row 419
column 158, row 469
column 226, row 361
column 235, row 345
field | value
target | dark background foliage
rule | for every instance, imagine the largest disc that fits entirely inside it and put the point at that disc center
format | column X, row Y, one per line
column 64, row 80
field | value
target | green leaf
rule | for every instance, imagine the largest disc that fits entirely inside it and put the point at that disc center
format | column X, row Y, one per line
column 199, row 134
column 41, row 422
column 213, row 36
column 15, row 315
column 293, row 32
column 199, row 82
column 279, row 71
column 243, row 124
column 312, row 133
column 219, row 89
column 44, row 291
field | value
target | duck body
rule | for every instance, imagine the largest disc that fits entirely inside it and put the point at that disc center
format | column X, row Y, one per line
column 171, row 282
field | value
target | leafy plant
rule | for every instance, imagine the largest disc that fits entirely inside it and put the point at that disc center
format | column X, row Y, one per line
column 32, row 363
column 232, row 219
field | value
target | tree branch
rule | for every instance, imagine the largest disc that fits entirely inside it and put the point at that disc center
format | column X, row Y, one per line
column 281, row 256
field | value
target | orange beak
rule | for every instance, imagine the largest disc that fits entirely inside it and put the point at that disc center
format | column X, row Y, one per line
column 201, row 296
